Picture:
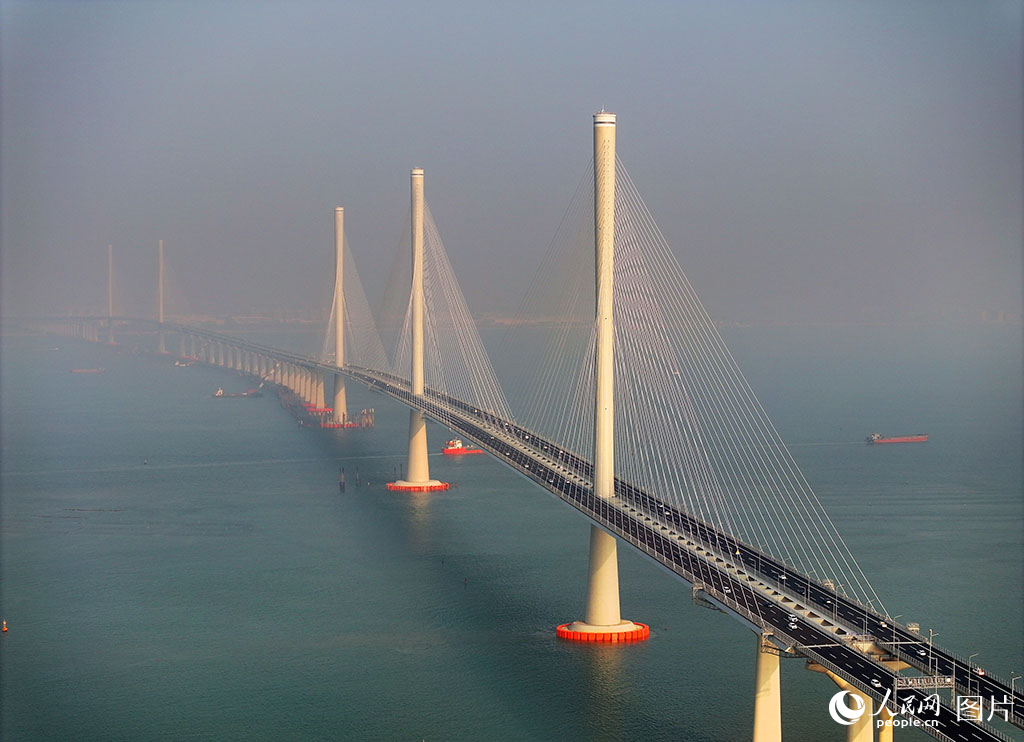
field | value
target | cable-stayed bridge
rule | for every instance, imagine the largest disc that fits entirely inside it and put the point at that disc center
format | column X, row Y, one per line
column 695, row 478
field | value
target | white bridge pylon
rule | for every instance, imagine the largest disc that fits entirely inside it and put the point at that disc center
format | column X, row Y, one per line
column 602, row 621
column 439, row 345
column 351, row 337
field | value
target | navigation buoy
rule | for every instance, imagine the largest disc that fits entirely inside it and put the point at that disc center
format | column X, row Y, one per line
column 5, row 626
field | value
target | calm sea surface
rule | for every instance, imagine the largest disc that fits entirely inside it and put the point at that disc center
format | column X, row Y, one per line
column 181, row 567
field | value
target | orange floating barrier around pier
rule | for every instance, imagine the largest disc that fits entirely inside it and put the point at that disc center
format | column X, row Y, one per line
column 396, row 487
column 639, row 634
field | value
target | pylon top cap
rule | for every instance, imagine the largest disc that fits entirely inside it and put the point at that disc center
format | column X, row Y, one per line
column 603, row 118
column 417, row 171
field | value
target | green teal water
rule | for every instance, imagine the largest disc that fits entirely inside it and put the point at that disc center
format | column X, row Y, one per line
column 181, row 567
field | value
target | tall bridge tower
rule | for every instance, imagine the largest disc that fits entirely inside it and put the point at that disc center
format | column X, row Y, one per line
column 602, row 621
column 110, row 294
column 340, row 407
column 160, row 347
column 418, row 471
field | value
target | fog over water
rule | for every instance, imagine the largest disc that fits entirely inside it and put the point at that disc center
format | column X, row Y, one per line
column 808, row 162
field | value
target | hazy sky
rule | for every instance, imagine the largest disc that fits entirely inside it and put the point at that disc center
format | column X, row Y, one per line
column 806, row 160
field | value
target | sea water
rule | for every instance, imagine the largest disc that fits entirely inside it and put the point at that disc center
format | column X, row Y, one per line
column 176, row 566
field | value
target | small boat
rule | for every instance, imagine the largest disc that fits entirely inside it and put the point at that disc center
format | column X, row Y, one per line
column 879, row 438
column 184, row 363
column 455, row 447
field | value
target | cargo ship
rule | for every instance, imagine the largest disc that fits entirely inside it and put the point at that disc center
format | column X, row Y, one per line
column 456, row 448
column 219, row 394
column 879, row 438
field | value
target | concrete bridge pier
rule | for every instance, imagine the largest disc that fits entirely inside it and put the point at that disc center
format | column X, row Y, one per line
column 320, row 399
column 767, row 692
column 308, row 393
column 307, row 386
column 339, row 401
column 862, row 729
column 885, row 732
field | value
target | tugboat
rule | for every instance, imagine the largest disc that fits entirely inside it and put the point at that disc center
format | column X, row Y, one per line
column 879, row 438
column 454, row 447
